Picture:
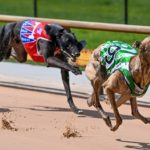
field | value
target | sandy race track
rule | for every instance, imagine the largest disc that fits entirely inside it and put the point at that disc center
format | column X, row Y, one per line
column 39, row 121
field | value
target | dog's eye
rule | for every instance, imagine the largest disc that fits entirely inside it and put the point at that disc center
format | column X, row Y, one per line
column 68, row 46
column 64, row 41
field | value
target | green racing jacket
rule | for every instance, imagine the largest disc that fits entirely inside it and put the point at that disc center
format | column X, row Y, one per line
column 116, row 55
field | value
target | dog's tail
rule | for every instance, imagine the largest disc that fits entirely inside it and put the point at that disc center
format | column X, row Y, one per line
column 2, row 32
column 6, row 35
column 2, row 29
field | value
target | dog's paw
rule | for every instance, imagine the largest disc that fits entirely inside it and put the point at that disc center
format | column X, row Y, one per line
column 108, row 121
column 146, row 121
column 74, row 108
column 78, row 111
column 76, row 71
column 90, row 101
column 115, row 127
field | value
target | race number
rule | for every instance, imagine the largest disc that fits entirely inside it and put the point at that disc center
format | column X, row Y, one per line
column 112, row 50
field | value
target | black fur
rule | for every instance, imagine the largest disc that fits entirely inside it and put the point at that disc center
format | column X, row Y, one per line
column 61, row 38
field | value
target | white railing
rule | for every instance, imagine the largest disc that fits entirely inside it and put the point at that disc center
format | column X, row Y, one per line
column 84, row 24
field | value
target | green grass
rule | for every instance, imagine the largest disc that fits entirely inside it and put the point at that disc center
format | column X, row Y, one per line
column 111, row 11
column 94, row 38
column 88, row 10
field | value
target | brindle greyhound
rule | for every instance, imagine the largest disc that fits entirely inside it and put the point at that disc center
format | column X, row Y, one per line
column 49, row 43
column 119, row 68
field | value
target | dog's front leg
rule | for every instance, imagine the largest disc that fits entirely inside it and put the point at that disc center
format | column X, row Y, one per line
column 135, row 111
column 111, row 97
column 65, row 79
column 58, row 63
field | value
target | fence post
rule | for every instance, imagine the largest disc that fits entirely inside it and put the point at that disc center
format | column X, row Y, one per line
column 35, row 7
column 126, row 11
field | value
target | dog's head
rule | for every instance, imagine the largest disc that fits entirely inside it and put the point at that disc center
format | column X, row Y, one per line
column 66, row 41
column 144, row 48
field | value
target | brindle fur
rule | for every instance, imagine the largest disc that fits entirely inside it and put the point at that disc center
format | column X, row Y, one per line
column 115, row 83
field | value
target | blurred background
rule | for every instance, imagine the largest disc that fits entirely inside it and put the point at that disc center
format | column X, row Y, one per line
column 108, row 11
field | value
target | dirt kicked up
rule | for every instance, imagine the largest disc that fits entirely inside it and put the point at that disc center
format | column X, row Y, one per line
column 34, row 121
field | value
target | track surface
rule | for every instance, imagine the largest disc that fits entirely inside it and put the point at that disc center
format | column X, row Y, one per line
column 42, row 118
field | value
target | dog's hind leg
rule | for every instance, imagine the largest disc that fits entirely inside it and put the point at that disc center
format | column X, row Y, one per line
column 95, row 72
column 65, row 79
column 91, row 99
column 135, row 111
column 96, row 102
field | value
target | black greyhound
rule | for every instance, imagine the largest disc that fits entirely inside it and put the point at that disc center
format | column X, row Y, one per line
column 48, row 43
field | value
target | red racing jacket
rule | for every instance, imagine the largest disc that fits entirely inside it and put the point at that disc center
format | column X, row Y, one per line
column 31, row 31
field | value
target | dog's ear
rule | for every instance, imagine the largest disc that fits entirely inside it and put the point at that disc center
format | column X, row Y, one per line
column 54, row 29
column 136, row 44
column 145, row 44
column 81, row 45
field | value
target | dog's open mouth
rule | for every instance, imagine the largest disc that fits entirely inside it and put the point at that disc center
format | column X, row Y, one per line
column 72, row 62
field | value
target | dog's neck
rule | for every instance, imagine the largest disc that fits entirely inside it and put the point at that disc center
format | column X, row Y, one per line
column 140, row 70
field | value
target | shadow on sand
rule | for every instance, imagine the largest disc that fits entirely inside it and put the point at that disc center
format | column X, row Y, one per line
column 135, row 144
column 89, row 113
column 2, row 110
